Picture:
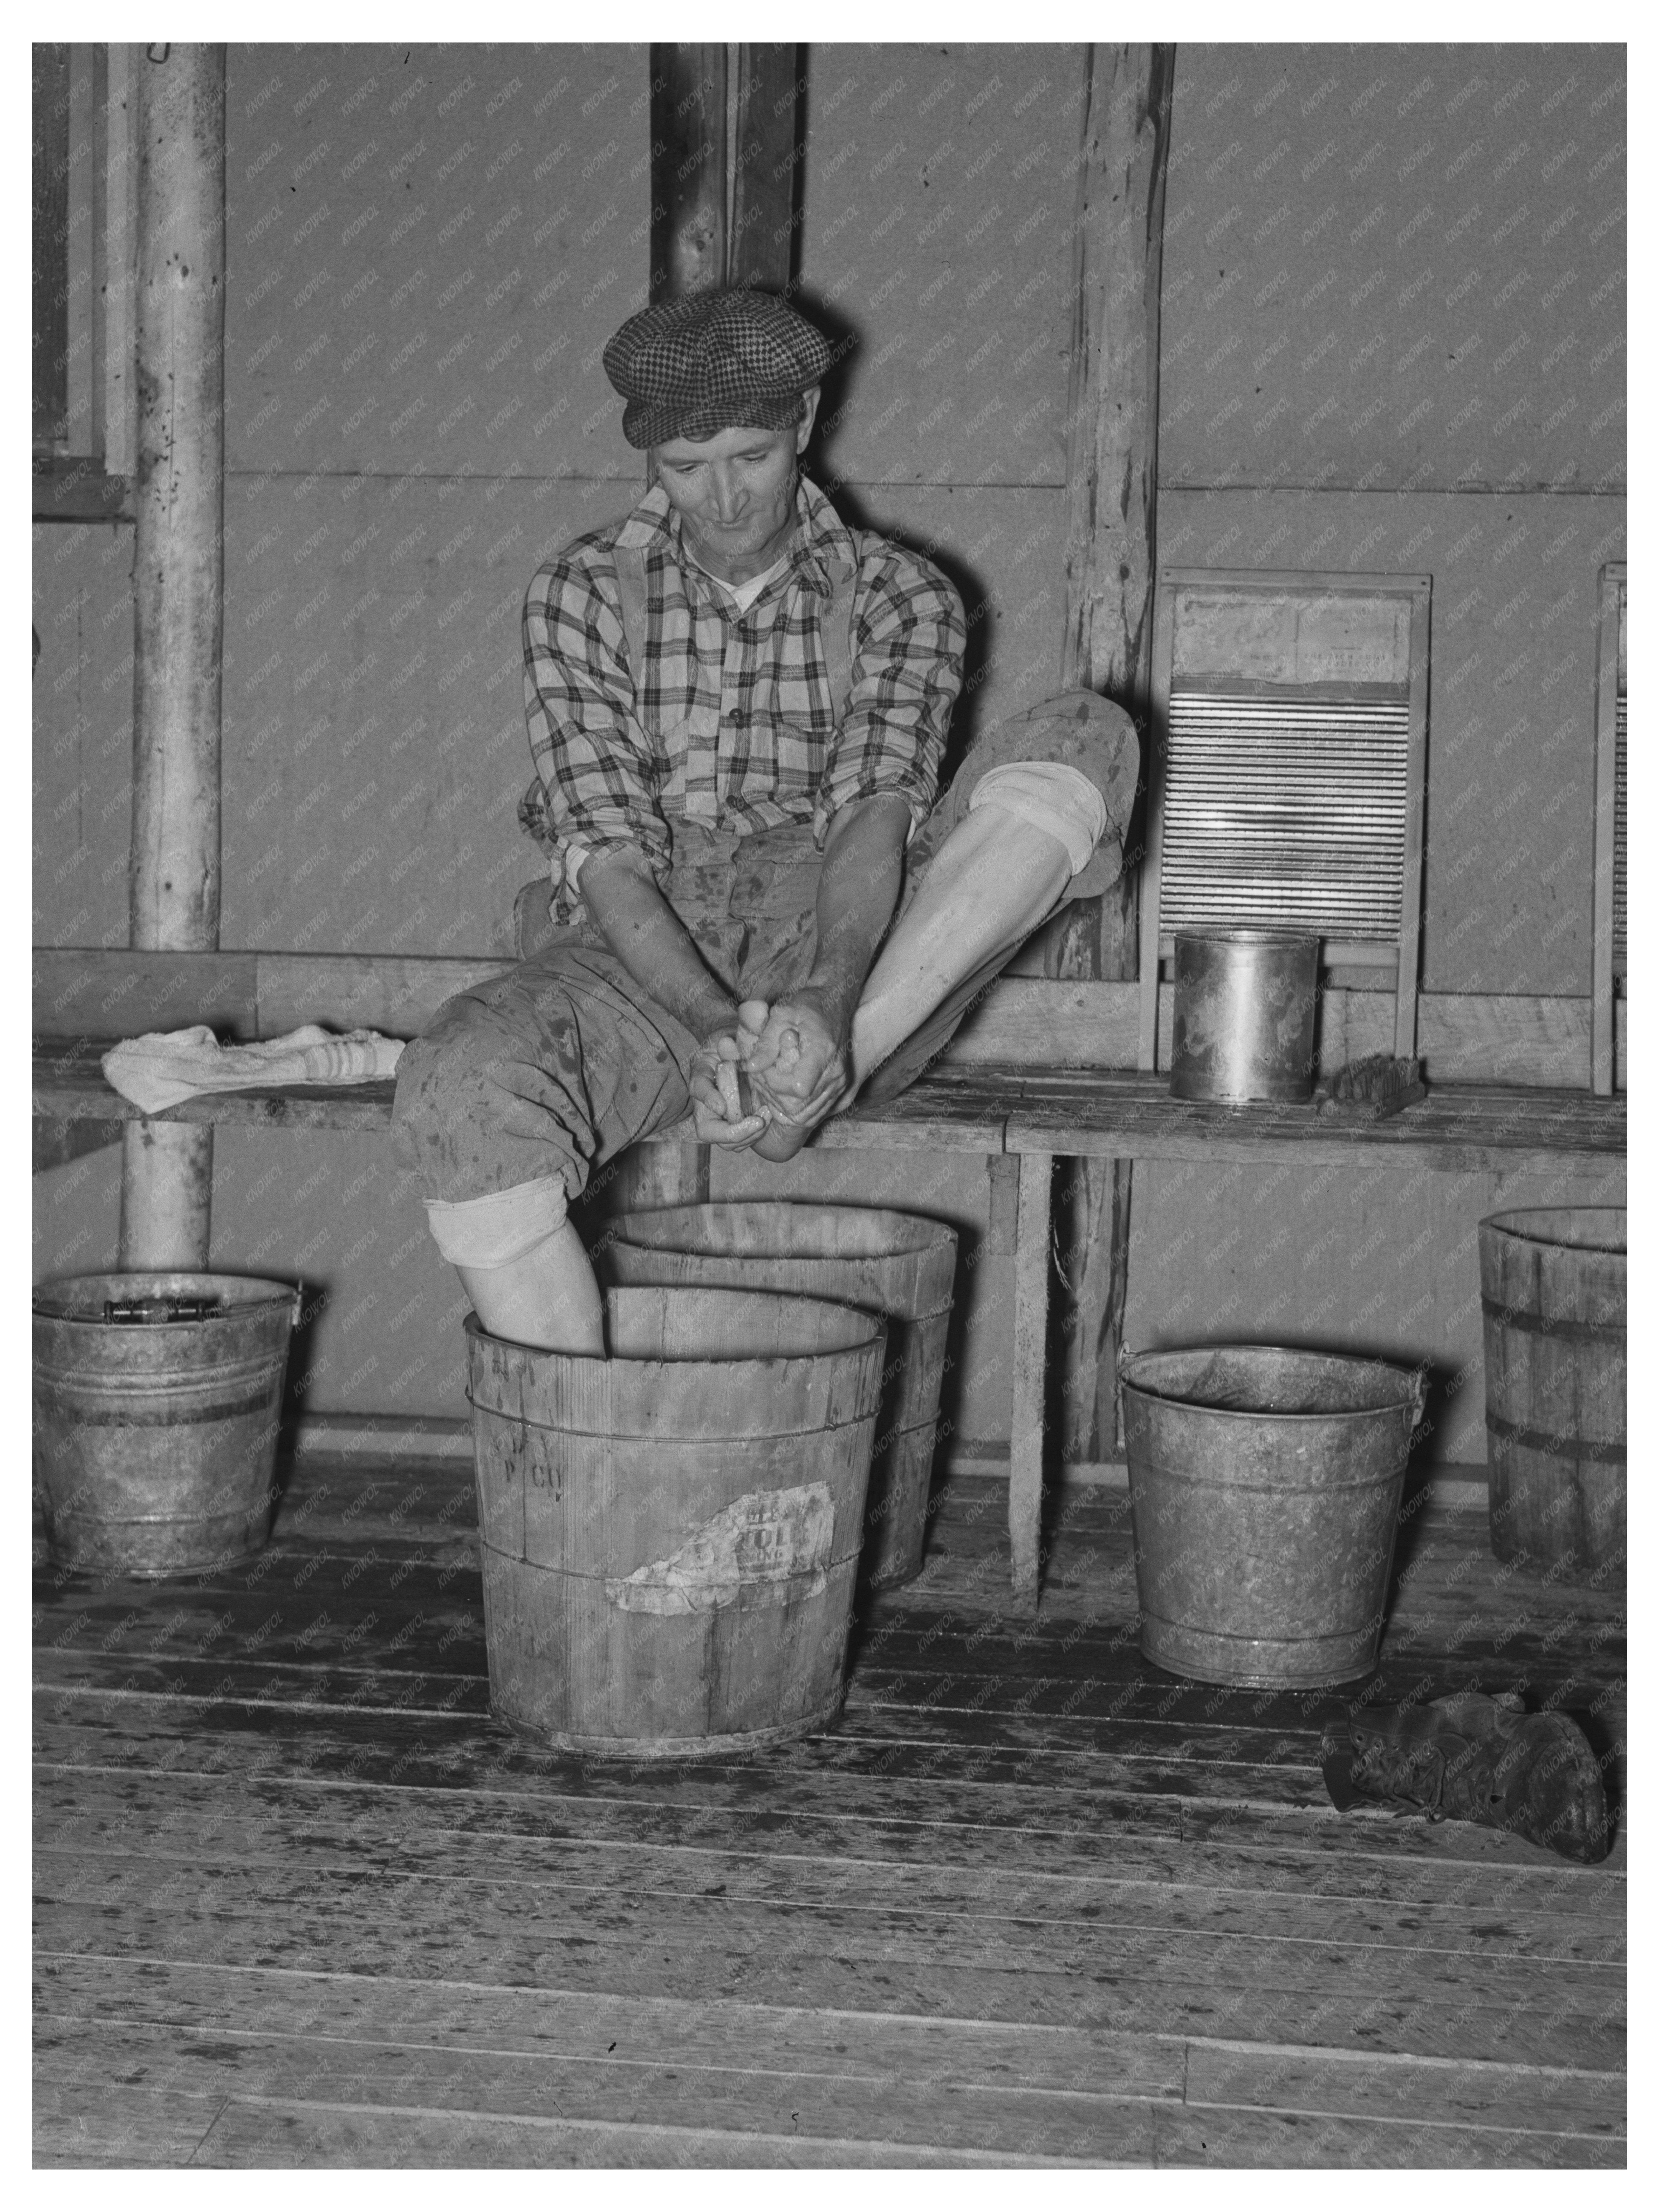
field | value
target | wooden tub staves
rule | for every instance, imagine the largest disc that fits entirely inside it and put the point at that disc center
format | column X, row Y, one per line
column 670, row 1536
column 902, row 1266
column 1552, row 1303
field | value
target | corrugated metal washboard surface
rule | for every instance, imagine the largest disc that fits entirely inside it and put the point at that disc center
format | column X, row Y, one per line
column 1289, row 811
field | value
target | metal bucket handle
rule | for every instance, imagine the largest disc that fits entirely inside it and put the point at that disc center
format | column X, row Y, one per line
column 174, row 1307
column 129, row 1312
column 1419, row 1390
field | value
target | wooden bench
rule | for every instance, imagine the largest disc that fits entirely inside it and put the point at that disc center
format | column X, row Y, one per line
column 1506, row 1099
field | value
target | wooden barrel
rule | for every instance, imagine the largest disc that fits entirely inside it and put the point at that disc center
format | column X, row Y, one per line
column 1552, row 1319
column 670, row 1536
column 157, row 1398
column 902, row 1266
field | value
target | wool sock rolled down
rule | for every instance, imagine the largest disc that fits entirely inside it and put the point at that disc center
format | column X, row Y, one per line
column 163, row 1066
column 1050, row 796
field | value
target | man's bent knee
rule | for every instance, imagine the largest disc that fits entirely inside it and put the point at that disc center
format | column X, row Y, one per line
column 482, row 1108
column 1050, row 796
column 1081, row 731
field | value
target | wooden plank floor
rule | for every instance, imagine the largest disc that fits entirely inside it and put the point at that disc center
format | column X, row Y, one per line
column 300, row 1901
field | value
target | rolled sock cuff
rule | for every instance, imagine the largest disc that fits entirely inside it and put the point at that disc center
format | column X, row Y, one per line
column 501, row 1226
column 1049, row 796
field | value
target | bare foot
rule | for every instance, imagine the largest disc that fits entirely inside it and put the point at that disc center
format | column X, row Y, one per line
column 779, row 1141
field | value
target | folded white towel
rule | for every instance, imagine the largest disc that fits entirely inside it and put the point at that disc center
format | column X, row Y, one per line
column 158, row 1069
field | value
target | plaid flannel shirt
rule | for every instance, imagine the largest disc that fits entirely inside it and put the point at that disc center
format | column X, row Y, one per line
column 731, row 722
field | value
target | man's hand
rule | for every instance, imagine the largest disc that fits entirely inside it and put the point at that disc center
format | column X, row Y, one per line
column 798, row 1058
column 720, row 1099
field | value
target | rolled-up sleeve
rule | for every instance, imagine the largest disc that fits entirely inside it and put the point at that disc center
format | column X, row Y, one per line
column 586, row 737
column 908, row 639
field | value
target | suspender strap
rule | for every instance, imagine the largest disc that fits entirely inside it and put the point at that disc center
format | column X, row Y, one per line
column 836, row 631
column 630, row 582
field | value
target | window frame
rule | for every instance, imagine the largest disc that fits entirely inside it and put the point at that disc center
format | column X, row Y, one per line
column 83, row 460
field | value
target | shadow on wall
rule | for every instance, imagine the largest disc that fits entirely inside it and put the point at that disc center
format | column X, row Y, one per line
column 845, row 342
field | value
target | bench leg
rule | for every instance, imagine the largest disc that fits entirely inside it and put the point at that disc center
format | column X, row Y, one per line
column 166, row 1195
column 1031, row 1240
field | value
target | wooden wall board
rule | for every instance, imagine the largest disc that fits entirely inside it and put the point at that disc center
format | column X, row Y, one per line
column 96, row 992
column 55, row 1143
column 1320, row 327
column 428, row 247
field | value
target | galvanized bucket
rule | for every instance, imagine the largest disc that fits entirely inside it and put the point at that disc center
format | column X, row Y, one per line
column 156, row 1405
column 1244, row 1007
column 1265, row 1489
column 902, row 1266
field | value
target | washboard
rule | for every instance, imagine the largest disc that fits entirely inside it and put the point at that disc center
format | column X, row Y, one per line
column 1289, row 729
column 1608, row 971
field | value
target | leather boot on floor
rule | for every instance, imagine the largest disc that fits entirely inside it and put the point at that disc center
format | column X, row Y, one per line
column 1474, row 1758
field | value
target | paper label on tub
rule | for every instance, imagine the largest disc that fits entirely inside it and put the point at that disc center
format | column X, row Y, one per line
column 762, row 1541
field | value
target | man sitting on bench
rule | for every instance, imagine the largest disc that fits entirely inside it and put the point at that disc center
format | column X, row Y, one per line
column 763, row 908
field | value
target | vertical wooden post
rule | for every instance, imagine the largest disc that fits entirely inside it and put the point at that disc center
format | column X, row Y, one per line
column 178, row 595
column 766, row 167
column 688, row 170
column 50, row 318
column 120, row 192
column 1026, row 1452
column 1110, row 559
column 84, row 360
column 690, row 251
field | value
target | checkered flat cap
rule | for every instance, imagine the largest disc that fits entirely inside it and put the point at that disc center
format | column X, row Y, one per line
column 719, row 361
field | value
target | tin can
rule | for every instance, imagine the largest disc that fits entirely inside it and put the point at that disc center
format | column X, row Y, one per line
column 1245, row 1006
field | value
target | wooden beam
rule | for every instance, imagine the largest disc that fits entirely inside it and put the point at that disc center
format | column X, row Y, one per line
column 78, row 490
column 69, row 1085
column 766, row 168
column 688, row 170
column 1112, row 402
column 1458, row 1128
column 55, row 1143
column 178, row 592
column 1022, row 1023
column 1110, row 562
